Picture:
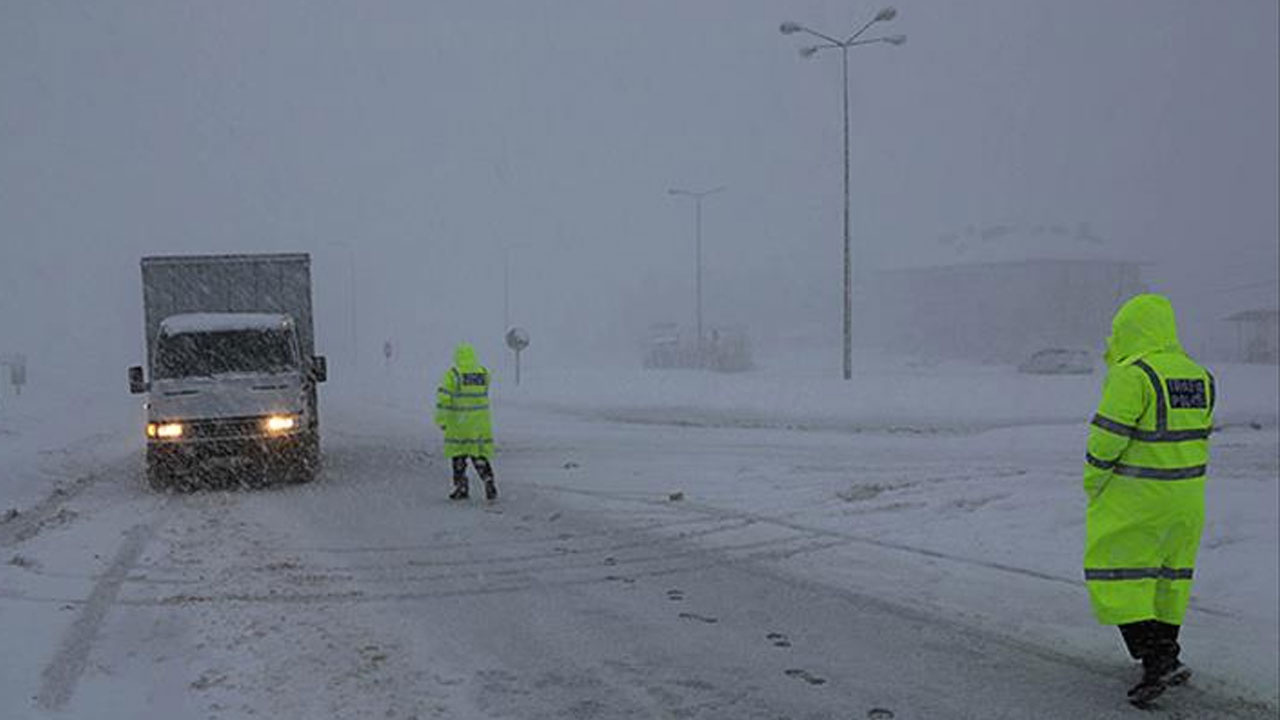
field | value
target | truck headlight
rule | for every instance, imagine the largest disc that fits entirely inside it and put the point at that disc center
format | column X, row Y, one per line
column 280, row 423
column 164, row 431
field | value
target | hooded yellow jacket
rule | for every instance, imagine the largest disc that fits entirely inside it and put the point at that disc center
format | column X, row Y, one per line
column 1145, row 469
column 462, row 406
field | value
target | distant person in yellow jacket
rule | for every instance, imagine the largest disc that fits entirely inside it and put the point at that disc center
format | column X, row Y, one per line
column 1144, row 476
column 462, row 412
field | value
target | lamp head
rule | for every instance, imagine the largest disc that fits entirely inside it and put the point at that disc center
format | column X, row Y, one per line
column 787, row 28
column 896, row 39
column 887, row 14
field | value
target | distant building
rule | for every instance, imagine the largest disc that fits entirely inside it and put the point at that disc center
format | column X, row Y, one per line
column 1257, row 335
column 999, row 295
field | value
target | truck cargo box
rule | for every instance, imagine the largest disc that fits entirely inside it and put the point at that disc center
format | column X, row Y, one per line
column 268, row 283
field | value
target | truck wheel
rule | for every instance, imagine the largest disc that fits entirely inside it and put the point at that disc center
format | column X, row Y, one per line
column 159, row 478
column 307, row 460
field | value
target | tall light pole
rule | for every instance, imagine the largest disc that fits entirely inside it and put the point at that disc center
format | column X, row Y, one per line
column 830, row 43
column 506, row 289
column 697, row 196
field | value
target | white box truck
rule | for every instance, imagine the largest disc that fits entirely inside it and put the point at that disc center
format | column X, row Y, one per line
column 231, row 372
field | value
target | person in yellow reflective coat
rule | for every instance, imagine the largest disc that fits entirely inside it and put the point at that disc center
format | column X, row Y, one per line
column 1144, row 476
column 462, row 412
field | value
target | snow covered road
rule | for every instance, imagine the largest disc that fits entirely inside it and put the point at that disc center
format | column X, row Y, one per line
column 800, row 575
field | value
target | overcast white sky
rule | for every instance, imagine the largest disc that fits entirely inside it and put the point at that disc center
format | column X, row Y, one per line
column 422, row 139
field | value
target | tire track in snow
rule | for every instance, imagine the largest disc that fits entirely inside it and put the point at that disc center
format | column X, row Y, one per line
column 562, row 548
column 514, row 580
column 352, row 589
column 58, row 679
column 48, row 511
column 726, row 514
column 851, row 538
column 656, row 525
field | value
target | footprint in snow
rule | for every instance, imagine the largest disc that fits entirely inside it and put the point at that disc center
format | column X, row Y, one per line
column 778, row 640
column 806, row 676
column 699, row 618
column 675, row 595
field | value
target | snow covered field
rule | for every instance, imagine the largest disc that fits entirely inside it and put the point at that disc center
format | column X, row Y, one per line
column 972, row 472
column 772, row 544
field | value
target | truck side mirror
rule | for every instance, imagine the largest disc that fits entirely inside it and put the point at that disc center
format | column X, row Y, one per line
column 137, row 381
column 319, row 368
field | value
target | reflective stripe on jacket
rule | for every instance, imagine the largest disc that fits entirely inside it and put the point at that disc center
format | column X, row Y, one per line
column 1145, row 466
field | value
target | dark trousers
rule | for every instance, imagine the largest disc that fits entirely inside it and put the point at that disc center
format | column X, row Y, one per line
column 482, row 467
column 1153, row 642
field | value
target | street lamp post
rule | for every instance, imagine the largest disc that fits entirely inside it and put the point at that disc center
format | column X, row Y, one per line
column 697, row 201
column 829, row 43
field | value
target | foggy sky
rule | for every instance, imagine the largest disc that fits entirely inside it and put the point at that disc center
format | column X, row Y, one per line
column 420, row 143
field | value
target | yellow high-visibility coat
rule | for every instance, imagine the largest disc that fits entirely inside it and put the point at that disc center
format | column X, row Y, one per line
column 1145, row 470
column 462, row 406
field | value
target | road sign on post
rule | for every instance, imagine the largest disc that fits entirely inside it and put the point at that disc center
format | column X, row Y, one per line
column 517, row 340
column 17, row 365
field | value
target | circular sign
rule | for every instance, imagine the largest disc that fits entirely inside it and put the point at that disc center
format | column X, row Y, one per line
column 517, row 339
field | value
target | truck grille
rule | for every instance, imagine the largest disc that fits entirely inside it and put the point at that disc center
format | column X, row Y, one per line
column 224, row 428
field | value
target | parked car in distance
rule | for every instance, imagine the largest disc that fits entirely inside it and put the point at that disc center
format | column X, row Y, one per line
column 1058, row 361
column 727, row 349
column 664, row 347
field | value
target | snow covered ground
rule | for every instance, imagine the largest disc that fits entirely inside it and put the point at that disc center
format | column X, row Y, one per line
column 50, row 441
column 974, row 473
column 772, row 544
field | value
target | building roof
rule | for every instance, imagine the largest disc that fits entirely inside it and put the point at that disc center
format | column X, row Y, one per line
column 1011, row 243
column 1256, row 315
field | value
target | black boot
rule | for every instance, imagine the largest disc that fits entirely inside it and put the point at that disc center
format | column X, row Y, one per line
column 485, row 468
column 460, row 491
column 1157, row 676
column 1139, row 640
column 1167, row 648
column 1156, row 645
column 1148, row 688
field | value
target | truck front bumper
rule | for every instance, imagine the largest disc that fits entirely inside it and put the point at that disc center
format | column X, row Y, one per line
column 247, row 447
column 232, row 439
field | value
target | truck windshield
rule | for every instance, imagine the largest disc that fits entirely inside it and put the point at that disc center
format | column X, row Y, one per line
column 218, row 353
